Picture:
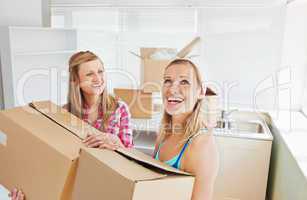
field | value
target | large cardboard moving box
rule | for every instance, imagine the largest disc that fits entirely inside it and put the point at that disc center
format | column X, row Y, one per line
column 41, row 150
column 41, row 156
column 128, row 175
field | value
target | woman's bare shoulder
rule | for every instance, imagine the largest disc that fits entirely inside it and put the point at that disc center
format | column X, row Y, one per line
column 202, row 140
column 202, row 152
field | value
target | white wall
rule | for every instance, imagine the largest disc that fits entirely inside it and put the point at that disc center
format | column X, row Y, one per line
column 240, row 44
column 21, row 13
column 1, row 89
column 295, row 52
column 242, row 52
column 124, row 3
column 112, row 33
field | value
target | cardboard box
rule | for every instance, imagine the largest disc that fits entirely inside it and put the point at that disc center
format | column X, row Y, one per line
column 41, row 156
column 139, row 102
column 41, row 150
column 152, row 69
column 128, row 175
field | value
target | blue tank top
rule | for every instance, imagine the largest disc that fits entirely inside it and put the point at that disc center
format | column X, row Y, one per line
column 176, row 160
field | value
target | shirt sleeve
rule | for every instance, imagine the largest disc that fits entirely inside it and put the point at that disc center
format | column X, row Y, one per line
column 125, row 130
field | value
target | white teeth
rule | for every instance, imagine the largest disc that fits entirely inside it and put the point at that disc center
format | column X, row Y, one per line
column 176, row 99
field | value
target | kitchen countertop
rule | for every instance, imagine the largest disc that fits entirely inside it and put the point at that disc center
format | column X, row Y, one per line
column 292, row 127
column 151, row 125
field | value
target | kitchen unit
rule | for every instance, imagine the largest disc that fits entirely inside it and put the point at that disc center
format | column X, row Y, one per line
column 244, row 142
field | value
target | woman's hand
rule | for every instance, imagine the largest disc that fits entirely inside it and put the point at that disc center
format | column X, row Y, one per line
column 16, row 194
column 103, row 141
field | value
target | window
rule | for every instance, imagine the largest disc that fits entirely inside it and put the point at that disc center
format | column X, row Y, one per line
column 113, row 33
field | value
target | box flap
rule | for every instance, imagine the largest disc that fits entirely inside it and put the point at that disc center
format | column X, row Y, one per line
column 121, row 164
column 147, row 52
column 144, row 159
column 62, row 117
column 50, row 133
column 188, row 48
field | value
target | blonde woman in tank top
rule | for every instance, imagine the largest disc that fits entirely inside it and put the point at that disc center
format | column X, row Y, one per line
column 185, row 140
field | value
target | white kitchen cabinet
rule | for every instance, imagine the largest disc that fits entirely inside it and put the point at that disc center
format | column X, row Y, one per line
column 34, row 63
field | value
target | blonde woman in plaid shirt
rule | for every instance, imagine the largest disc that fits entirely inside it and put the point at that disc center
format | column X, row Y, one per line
column 89, row 100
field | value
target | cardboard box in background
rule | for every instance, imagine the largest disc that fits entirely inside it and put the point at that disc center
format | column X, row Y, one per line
column 154, row 61
column 139, row 102
column 128, row 175
column 152, row 69
column 41, row 151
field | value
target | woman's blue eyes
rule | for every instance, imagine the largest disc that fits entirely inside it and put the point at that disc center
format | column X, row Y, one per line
column 182, row 82
column 167, row 81
column 91, row 73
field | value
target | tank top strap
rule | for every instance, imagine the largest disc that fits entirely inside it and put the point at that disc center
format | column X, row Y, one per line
column 177, row 163
column 158, row 151
column 194, row 135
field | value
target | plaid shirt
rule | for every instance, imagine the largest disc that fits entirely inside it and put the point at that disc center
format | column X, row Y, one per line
column 118, row 123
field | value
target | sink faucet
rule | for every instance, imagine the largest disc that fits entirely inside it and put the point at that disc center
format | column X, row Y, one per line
column 225, row 114
column 225, row 117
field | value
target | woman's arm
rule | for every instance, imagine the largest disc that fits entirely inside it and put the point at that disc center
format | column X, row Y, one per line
column 16, row 194
column 202, row 160
column 125, row 130
column 124, row 138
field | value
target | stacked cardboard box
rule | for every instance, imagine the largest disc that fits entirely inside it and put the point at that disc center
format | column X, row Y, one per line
column 139, row 102
column 41, row 156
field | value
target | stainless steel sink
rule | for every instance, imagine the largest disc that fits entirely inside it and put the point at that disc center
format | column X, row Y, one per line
column 240, row 126
column 252, row 129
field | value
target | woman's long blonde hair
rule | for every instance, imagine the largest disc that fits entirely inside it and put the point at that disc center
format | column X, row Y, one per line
column 75, row 99
column 195, row 121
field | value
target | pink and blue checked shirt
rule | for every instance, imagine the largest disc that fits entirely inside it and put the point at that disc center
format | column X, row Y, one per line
column 118, row 123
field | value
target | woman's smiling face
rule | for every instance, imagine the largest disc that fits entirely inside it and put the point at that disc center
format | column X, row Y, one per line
column 92, row 77
column 180, row 89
